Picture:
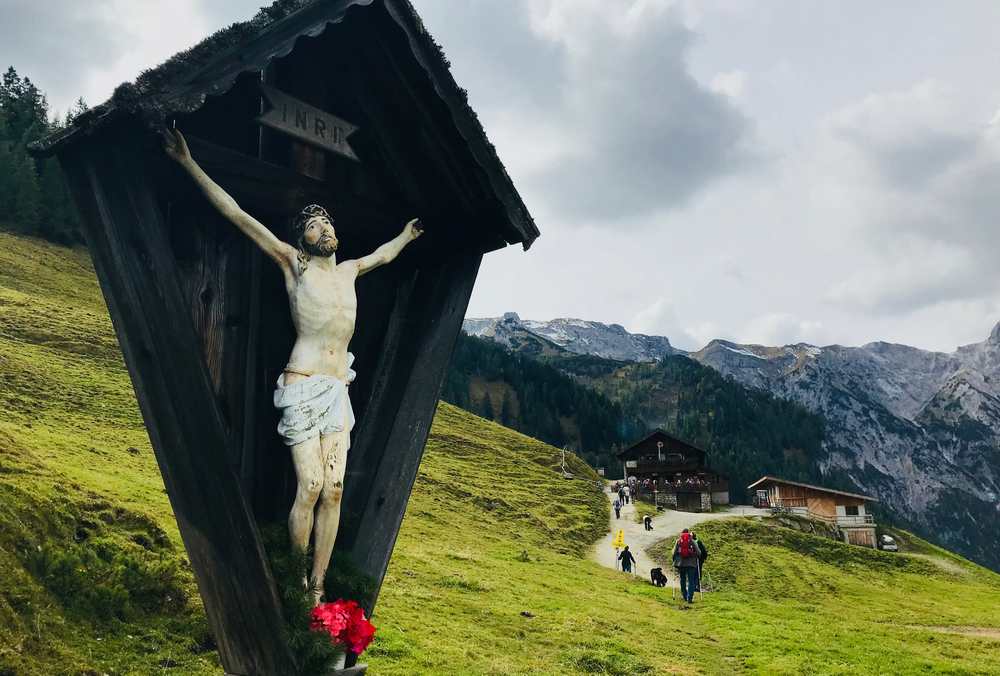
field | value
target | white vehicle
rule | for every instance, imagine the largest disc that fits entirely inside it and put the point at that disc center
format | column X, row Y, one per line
column 887, row 544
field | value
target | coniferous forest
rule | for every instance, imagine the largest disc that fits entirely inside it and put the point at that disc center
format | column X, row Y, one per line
column 537, row 399
column 34, row 197
column 596, row 408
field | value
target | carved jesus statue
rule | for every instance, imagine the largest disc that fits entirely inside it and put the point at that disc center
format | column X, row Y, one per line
column 316, row 417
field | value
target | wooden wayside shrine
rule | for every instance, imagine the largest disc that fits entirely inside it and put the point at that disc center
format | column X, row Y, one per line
column 202, row 316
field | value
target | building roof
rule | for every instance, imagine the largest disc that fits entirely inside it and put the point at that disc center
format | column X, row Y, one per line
column 816, row 488
column 183, row 83
column 659, row 432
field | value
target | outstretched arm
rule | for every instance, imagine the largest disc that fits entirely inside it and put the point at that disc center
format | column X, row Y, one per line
column 282, row 253
column 388, row 251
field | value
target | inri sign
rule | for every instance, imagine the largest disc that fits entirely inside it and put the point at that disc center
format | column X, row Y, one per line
column 307, row 123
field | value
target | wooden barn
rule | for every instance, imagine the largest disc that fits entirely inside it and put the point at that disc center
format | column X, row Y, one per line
column 345, row 103
column 673, row 473
column 848, row 511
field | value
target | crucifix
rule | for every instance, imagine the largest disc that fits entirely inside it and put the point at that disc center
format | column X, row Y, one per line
column 312, row 391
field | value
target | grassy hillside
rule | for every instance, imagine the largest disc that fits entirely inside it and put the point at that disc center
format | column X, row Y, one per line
column 92, row 573
column 793, row 602
column 489, row 573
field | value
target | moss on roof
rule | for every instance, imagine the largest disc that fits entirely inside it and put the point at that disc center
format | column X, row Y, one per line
column 153, row 81
column 171, row 88
column 191, row 60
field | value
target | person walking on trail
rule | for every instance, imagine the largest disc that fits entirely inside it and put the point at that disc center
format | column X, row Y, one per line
column 702, row 556
column 627, row 560
column 647, row 522
column 685, row 557
column 618, row 509
column 628, row 494
column 702, row 550
column 621, row 495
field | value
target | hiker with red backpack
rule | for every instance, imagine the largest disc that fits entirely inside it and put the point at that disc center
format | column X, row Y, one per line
column 686, row 558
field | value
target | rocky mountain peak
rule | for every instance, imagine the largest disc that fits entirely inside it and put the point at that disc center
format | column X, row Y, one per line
column 611, row 341
column 995, row 335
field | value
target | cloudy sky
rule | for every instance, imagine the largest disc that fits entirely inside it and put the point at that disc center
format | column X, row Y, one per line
column 768, row 172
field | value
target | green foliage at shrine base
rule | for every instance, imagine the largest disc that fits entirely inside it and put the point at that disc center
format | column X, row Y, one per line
column 489, row 574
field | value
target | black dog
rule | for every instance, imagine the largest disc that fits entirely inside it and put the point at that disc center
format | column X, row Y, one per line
column 657, row 577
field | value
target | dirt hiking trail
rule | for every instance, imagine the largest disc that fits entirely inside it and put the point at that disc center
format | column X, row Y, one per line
column 666, row 524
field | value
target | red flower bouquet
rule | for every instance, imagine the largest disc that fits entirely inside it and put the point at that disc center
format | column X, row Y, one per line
column 346, row 623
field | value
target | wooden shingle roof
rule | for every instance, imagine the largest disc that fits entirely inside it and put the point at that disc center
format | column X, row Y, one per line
column 822, row 489
column 184, row 82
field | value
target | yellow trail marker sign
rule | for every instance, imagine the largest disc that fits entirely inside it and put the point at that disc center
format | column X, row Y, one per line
column 619, row 540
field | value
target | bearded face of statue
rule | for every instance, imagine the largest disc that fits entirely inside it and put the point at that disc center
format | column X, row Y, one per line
column 312, row 230
column 319, row 237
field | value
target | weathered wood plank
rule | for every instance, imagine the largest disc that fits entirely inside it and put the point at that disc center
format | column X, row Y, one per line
column 518, row 222
column 131, row 253
column 417, row 349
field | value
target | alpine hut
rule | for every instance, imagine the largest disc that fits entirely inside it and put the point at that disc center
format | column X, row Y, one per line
column 672, row 472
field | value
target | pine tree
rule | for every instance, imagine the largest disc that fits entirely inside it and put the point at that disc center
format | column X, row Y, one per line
column 507, row 411
column 34, row 196
column 487, row 407
column 76, row 110
column 7, row 171
column 26, row 211
column 58, row 215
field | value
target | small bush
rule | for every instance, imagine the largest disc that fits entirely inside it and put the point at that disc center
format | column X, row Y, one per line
column 610, row 657
column 120, row 588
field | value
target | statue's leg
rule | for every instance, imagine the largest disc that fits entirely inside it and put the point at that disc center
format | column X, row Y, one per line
column 328, row 515
column 308, row 461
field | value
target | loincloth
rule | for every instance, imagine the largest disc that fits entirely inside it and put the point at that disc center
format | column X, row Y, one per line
column 318, row 404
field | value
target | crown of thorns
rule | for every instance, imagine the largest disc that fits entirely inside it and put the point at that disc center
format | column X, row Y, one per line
column 309, row 211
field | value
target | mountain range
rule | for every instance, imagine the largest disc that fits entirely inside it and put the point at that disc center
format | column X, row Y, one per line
column 917, row 429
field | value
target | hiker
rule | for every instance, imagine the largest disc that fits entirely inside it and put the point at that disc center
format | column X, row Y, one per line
column 702, row 550
column 702, row 556
column 685, row 559
column 621, row 494
column 627, row 494
column 618, row 509
column 647, row 521
column 627, row 560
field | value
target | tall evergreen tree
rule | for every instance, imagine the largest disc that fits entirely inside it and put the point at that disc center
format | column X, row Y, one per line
column 34, row 197
column 487, row 407
column 507, row 418
column 27, row 195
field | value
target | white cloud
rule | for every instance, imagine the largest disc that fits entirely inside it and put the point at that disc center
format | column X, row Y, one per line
column 915, row 273
column 731, row 83
column 73, row 49
column 778, row 328
column 604, row 116
column 660, row 319
column 923, row 178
